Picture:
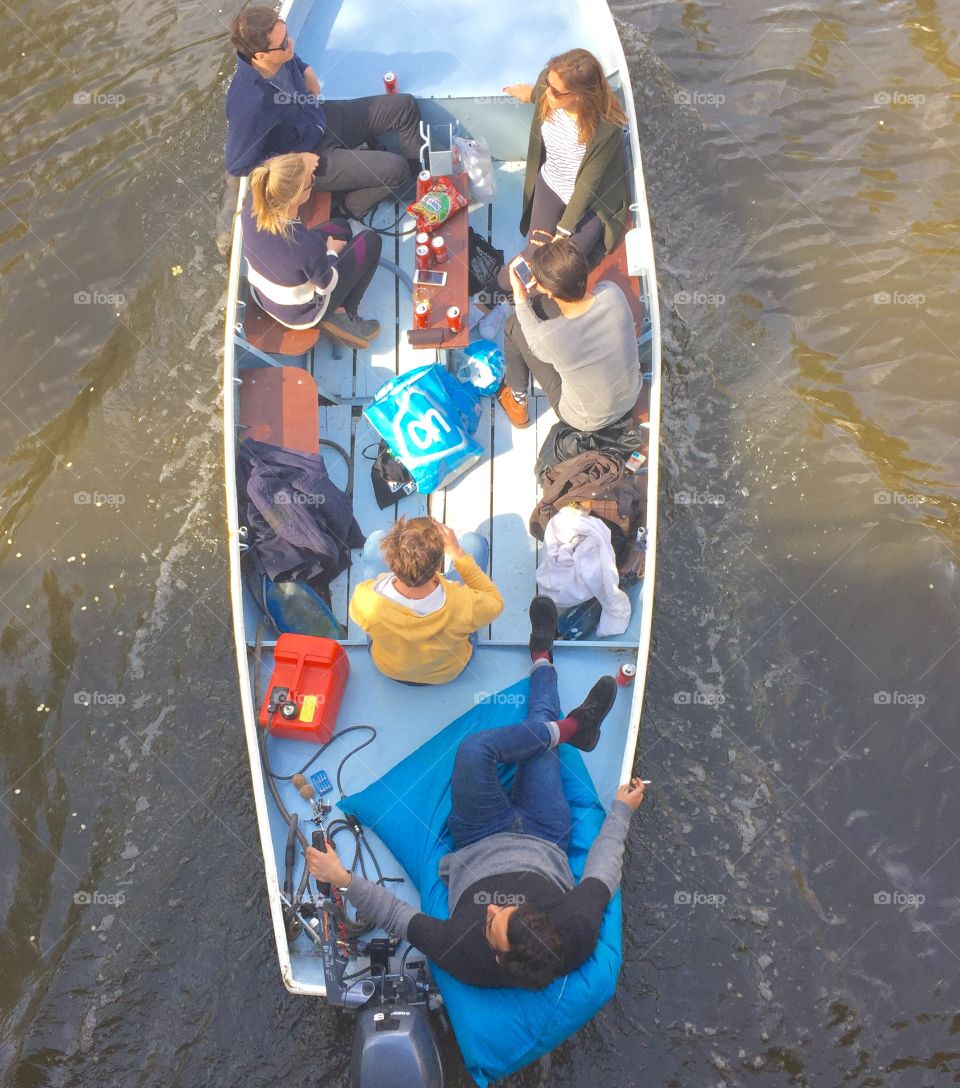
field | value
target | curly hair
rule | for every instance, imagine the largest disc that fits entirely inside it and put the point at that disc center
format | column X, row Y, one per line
column 581, row 72
column 413, row 550
column 535, row 957
column 250, row 30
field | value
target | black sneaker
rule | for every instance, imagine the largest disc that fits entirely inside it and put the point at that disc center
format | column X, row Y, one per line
column 355, row 331
column 591, row 712
column 543, row 626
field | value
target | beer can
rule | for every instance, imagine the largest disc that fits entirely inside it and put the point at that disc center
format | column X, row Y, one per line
column 423, row 239
column 421, row 315
column 423, row 182
column 439, row 249
column 626, row 674
column 423, row 256
column 390, row 83
column 454, row 320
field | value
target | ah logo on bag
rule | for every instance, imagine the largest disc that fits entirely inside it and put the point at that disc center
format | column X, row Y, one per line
column 427, row 418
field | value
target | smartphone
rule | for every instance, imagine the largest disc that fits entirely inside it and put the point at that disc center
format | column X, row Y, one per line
column 524, row 275
column 427, row 277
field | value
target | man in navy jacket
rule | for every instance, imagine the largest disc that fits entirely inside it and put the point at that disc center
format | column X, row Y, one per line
column 274, row 107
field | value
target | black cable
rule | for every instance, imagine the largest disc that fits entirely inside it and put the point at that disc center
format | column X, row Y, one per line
column 346, row 456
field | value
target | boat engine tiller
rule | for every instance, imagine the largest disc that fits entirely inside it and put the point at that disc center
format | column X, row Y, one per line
column 303, row 697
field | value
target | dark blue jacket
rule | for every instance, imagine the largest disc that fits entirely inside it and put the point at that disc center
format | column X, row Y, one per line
column 262, row 120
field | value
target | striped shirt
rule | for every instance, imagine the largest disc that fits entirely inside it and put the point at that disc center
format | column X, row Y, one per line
column 561, row 139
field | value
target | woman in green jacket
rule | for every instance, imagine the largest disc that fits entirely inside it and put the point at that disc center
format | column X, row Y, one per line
column 576, row 181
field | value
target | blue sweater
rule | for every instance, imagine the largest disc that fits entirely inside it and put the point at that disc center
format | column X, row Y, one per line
column 264, row 118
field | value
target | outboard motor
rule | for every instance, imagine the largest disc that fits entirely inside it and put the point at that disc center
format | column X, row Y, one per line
column 394, row 1045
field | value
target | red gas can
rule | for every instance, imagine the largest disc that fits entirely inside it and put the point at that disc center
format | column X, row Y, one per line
column 303, row 697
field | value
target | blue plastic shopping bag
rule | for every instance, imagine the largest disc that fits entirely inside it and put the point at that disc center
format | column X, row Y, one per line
column 427, row 419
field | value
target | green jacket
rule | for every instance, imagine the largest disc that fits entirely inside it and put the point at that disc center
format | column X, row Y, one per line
column 601, row 184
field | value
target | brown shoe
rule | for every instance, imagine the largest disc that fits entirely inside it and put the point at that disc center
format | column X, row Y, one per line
column 516, row 410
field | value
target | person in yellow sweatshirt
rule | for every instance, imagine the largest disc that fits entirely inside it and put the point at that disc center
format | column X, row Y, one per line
column 420, row 622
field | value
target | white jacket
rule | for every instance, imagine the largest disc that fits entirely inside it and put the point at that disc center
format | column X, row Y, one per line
column 580, row 564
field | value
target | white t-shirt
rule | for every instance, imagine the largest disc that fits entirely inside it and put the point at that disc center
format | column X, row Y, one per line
column 561, row 138
column 433, row 602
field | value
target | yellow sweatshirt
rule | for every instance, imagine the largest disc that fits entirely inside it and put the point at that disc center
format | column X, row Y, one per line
column 429, row 649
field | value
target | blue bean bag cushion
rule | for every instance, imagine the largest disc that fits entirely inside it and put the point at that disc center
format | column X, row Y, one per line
column 499, row 1031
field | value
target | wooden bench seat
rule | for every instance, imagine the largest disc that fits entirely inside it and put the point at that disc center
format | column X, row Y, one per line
column 278, row 405
column 613, row 269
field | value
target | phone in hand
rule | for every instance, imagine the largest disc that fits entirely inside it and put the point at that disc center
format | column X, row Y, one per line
column 524, row 275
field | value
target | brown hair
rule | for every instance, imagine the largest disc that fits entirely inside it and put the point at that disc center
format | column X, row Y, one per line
column 250, row 30
column 562, row 269
column 273, row 185
column 413, row 550
column 581, row 72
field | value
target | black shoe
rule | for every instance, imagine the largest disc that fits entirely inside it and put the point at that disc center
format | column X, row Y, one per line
column 543, row 626
column 355, row 331
column 591, row 712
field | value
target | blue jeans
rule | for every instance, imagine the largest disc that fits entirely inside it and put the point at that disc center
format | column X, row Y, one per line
column 536, row 805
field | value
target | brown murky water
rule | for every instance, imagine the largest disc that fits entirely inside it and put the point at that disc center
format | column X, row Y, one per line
column 792, row 913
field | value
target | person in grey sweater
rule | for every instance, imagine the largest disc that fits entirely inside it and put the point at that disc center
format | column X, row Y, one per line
column 580, row 345
column 517, row 916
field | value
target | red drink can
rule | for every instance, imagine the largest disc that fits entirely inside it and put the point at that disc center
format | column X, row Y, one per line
column 423, row 256
column 423, row 239
column 390, row 83
column 626, row 674
column 454, row 320
column 423, row 182
column 421, row 315
column 439, row 249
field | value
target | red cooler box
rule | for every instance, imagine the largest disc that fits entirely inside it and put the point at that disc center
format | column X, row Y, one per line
column 303, row 697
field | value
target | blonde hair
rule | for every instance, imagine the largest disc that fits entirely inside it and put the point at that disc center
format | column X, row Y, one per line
column 413, row 550
column 273, row 185
column 581, row 72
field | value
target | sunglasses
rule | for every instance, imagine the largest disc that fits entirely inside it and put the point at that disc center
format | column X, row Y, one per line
column 278, row 48
column 557, row 94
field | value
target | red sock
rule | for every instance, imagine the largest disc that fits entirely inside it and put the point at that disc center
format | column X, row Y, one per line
column 542, row 655
column 567, row 727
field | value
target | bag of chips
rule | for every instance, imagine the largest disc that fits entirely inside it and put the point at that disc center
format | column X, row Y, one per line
column 442, row 200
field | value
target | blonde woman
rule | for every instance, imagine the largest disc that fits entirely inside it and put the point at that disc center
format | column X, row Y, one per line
column 576, row 181
column 304, row 276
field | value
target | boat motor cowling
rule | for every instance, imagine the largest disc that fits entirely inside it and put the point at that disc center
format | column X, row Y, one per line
column 395, row 1045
